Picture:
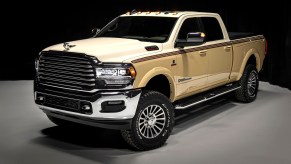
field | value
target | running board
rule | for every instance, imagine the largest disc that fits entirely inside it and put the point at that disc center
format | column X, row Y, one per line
column 202, row 97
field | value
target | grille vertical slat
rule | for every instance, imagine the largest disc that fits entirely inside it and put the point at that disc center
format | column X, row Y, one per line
column 66, row 69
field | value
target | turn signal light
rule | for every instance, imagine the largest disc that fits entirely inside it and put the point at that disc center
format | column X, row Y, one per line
column 132, row 72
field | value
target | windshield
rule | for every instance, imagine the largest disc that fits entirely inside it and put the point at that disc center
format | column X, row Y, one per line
column 149, row 29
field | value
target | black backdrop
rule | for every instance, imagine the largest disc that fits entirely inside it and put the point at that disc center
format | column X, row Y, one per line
column 32, row 27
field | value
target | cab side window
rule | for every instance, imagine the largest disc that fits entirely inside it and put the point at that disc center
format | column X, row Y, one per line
column 212, row 29
column 189, row 25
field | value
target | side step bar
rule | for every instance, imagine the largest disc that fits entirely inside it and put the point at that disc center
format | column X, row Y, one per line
column 200, row 98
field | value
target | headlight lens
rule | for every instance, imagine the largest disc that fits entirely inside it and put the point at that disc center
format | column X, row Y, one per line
column 116, row 76
column 115, row 72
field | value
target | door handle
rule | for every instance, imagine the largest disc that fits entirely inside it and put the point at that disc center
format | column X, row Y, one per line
column 227, row 47
column 202, row 52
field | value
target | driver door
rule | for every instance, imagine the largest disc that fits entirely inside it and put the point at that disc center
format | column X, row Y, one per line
column 192, row 65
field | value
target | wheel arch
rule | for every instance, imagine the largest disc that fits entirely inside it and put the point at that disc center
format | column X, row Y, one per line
column 251, row 57
column 158, row 74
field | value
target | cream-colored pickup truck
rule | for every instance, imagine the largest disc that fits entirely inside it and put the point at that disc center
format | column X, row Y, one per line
column 141, row 67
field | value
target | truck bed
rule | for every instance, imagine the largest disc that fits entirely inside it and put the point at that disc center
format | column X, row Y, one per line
column 238, row 35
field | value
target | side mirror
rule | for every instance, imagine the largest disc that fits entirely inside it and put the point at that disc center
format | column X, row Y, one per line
column 197, row 37
column 193, row 39
column 94, row 31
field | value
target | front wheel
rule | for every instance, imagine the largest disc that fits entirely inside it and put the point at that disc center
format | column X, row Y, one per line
column 152, row 123
column 249, row 85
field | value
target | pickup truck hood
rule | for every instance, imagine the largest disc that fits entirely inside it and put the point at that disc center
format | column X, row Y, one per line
column 109, row 49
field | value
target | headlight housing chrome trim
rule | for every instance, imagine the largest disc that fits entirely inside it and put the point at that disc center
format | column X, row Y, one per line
column 116, row 74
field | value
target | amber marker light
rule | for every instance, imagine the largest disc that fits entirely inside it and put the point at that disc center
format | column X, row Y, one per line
column 132, row 72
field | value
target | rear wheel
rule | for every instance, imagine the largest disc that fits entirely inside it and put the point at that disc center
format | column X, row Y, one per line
column 152, row 123
column 249, row 85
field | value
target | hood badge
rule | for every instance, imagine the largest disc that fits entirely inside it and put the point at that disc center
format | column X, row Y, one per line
column 67, row 46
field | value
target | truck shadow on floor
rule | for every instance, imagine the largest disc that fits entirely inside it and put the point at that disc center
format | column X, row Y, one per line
column 91, row 137
column 192, row 116
column 87, row 137
column 102, row 144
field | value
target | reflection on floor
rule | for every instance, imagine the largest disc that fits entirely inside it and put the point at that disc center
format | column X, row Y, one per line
column 219, row 131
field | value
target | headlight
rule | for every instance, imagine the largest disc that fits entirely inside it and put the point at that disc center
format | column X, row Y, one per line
column 115, row 72
column 116, row 76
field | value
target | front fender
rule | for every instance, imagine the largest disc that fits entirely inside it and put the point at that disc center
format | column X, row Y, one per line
column 155, row 72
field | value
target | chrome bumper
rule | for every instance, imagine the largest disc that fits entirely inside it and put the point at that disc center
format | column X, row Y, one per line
column 98, row 117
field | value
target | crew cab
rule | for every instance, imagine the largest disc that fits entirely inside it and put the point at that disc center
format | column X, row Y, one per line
column 139, row 68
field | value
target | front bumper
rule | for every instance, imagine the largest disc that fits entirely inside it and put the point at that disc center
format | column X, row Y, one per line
column 69, row 106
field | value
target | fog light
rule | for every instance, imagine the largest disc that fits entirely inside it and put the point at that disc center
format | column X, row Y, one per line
column 112, row 106
column 40, row 98
column 86, row 107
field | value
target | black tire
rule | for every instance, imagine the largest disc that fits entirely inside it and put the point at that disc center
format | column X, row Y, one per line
column 61, row 122
column 249, row 85
column 148, row 131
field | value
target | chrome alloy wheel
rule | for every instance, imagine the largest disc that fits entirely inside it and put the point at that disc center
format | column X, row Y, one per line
column 152, row 121
column 252, row 83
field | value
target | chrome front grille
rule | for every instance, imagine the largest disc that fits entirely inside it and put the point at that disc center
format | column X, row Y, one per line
column 66, row 70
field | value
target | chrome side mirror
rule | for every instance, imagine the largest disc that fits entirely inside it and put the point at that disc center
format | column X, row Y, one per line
column 193, row 39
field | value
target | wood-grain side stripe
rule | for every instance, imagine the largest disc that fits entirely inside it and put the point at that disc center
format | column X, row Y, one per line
column 237, row 41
